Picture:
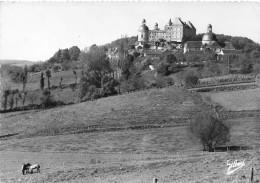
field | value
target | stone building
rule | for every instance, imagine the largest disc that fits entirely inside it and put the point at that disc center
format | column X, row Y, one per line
column 177, row 31
column 209, row 42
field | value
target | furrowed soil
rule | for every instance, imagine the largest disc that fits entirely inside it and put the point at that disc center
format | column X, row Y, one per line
column 63, row 141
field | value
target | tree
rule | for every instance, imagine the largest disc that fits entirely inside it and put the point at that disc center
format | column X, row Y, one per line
column 32, row 96
column 47, row 99
column 75, row 74
column 15, row 73
column 95, row 60
column 210, row 130
column 191, row 80
column 11, row 99
column 192, row 58
column 17, row 97
column 42, row 81
column 74, row 52
column 23, row 97
column 127, row 67
column 180, row 57
column 4, row 99
column 48, row 75
column 108, row 85
column 60, row 83
column 162, row 69
column 170, row 59
column 25, row 77
column 64, row 55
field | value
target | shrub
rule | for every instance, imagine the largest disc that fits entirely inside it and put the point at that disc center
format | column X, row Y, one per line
column 162, row 69
column 191, row 80
column 163, row 81
column 210, row 130
column 47, row 99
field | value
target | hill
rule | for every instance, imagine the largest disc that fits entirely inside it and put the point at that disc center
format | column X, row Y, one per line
column 126, row 138
column 166, row 106
column 15, row 62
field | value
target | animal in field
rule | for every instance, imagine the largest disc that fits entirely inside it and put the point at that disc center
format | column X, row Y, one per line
column 25, row 168
column 32, row 167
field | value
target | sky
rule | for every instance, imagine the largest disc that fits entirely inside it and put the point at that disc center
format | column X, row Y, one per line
column 34, row 31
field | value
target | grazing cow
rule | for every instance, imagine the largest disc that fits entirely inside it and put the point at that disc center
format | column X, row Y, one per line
column 36, row 166
column 25, row 168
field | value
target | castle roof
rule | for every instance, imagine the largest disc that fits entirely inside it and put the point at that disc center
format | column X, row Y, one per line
column 196, row 51
column 193, row 44
column 191, row 25
column 209, row 36
column 213, row 44
column 143, row 27
column 229, row 52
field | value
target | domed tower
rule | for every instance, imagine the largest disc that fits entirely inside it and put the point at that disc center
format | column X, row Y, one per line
column 209, row 36
column 143, row 33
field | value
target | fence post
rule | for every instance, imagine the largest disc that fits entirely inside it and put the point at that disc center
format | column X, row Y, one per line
column 155, row 180
column 252, row 175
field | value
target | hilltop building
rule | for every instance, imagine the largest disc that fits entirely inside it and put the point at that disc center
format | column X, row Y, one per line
column 177, row 32
column 209, row 42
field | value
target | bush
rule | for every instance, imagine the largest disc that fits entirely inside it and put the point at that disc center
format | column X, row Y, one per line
column 191, row 80
column 210, row 130
column 47, row 100
column 162, row 69
column 163, row 81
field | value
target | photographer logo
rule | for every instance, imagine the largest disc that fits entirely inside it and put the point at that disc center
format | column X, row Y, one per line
column 233, row 166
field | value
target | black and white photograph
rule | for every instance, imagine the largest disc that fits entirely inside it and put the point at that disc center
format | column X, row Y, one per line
column 129, row 92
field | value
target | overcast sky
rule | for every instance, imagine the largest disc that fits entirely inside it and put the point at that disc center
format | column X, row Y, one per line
column 35, row 31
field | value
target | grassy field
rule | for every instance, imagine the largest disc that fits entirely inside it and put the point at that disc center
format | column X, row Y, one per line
column 131, row 156
column 50, row 138
column 238, row 100
column 65, row 94
column 34, row 80
column 155, row 106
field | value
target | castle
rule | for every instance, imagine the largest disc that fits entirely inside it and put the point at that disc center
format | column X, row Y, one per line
column 177, row 32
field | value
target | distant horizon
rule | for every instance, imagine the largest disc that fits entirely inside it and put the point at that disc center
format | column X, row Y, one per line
column 37, row 30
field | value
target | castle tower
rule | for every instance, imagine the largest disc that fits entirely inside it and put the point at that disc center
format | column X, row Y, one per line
column 209, row 36
column 209, row 28
column 156, row 26
column 143, row 33
column 170, row 22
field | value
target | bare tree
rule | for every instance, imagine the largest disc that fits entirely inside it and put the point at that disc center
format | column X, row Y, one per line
column 23, row 98
column 209, row 129
column 17, row 96
column 11, row 99
column 25, row 77
column 4, row 98
column 48, row 75
column 32, row 96
column 42, row 81
column 60, row 82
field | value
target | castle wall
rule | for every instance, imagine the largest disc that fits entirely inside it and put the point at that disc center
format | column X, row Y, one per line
column 174, row 33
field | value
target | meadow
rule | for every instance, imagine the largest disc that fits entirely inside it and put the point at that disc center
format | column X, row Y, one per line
column 146, row 137
column 238, row 100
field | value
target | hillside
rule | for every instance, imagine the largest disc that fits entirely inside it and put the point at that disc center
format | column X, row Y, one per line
column 150, row 107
